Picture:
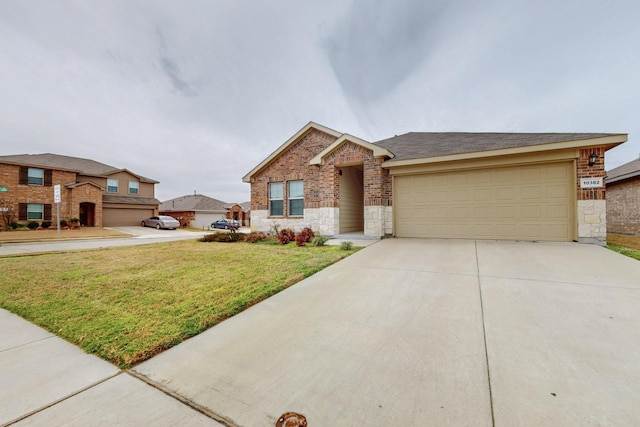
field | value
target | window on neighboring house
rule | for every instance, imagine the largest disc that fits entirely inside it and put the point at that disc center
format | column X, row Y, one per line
column 36, row 176
column 276, row 202
column 35, row 211
column 295, row 191
column 112, row 185
column 133, row 187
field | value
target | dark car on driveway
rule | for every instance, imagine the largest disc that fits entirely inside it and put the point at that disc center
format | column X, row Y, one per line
column 225, row 224
column 161, row 222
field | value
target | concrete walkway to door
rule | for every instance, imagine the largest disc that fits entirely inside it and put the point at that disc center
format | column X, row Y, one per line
column 412, row 332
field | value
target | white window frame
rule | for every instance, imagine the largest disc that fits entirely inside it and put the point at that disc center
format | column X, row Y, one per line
column 35, row 212
column 35, row 176
column 110, row 185
column 134, row 185
column 298, row 196
column 272, row 199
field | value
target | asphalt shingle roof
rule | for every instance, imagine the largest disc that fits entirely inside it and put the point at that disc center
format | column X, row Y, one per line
column 419, row 145
column 60, row 162
column 626, row 171
column 193, row 202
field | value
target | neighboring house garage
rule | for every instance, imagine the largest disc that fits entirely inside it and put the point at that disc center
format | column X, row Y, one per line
column 511, row 186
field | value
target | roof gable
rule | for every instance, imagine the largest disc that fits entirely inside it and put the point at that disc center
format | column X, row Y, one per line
column 626, row 171
column 378, row 151
column 288, row 143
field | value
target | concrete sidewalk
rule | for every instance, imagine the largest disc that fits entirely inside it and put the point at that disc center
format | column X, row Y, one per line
column 45, row 381
column 407, row 332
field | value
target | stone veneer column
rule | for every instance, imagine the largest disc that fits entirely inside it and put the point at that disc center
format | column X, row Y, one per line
column 592, row 205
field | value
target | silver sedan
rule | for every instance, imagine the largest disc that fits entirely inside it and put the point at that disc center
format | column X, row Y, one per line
column 161, row 222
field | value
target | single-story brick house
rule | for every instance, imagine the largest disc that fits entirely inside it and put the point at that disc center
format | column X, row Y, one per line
column 513, row 186
column 95, row 193
column 241, row 212
column 194, row 210
column 623, row 199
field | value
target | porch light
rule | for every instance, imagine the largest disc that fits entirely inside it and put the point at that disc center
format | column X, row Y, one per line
column 592, row 159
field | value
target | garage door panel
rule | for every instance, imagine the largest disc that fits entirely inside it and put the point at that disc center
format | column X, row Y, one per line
column 531, row 202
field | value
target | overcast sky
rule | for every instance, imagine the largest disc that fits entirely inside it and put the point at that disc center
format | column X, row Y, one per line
column 194, row 94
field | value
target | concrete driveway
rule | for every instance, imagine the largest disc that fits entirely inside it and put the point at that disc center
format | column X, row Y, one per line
column 428, row 332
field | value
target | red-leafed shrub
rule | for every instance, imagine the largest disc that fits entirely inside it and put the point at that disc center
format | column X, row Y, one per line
column 306, row 235
column 286, row 235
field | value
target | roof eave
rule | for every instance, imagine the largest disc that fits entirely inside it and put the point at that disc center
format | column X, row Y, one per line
column 609, row 142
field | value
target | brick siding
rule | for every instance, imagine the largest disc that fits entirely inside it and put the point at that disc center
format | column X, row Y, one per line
column 623, row 207
column 586, row 171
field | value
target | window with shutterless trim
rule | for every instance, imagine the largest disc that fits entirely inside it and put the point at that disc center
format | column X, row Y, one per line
column 112, row 185
column 276, row 199
column 134, row 187
column 295, row 193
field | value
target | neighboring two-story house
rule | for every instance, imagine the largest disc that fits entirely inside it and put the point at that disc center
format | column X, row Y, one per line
column 95, row 193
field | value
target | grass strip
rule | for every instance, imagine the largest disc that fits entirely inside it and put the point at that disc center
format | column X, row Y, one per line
column 632, row 253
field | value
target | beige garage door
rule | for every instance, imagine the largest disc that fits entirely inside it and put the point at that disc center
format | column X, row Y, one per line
column 533, row 202
column 114, row 217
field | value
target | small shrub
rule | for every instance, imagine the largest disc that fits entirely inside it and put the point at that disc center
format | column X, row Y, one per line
column 32, row 225
column 301, row 239
column 346, row 246
column 63, row 223
column 319, row 241
column 222, row 237
column 45, row 224
column 14, row 225
column 309, row 234
column 286, row 235
column 255, row 236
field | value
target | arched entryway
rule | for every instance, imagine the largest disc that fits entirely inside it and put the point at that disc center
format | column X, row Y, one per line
column 87, row 214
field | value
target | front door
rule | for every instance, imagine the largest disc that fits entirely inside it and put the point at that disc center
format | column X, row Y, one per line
column 351, row 199
column 87, row 214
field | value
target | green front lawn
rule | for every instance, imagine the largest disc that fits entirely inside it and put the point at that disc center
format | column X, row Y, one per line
column 127, row 304
column 633, row 253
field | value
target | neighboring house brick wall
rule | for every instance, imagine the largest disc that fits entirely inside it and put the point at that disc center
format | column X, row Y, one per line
column 623, row 207
column 40, row 194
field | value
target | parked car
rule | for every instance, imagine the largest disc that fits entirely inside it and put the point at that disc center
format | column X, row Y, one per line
column 225, row 224
column 161, row 222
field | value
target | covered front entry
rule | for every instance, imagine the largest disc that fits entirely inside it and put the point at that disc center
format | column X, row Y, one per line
column 87, row 214
column 351, row 184
column 525, row 202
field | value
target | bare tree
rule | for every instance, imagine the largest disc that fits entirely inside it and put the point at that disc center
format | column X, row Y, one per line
column 8, row 213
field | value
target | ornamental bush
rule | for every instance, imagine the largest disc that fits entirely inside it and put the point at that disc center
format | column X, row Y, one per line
column 45, row 224
column 286, row 235
column 319, row 240
column 32, row 225
column 222, row 237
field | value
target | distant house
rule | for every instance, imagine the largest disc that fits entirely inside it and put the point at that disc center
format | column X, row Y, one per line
column 509, row 186
column 96, row 193
column 623, row 200
column 241, row 212
column 194, row 210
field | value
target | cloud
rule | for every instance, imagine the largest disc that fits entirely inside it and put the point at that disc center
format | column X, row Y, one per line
column 195, row 94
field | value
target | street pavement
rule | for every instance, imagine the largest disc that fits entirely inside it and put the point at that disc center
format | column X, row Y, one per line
column 407, row 332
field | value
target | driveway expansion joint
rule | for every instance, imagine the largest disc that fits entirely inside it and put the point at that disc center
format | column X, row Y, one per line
column 62, row 399
column 184, row 400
